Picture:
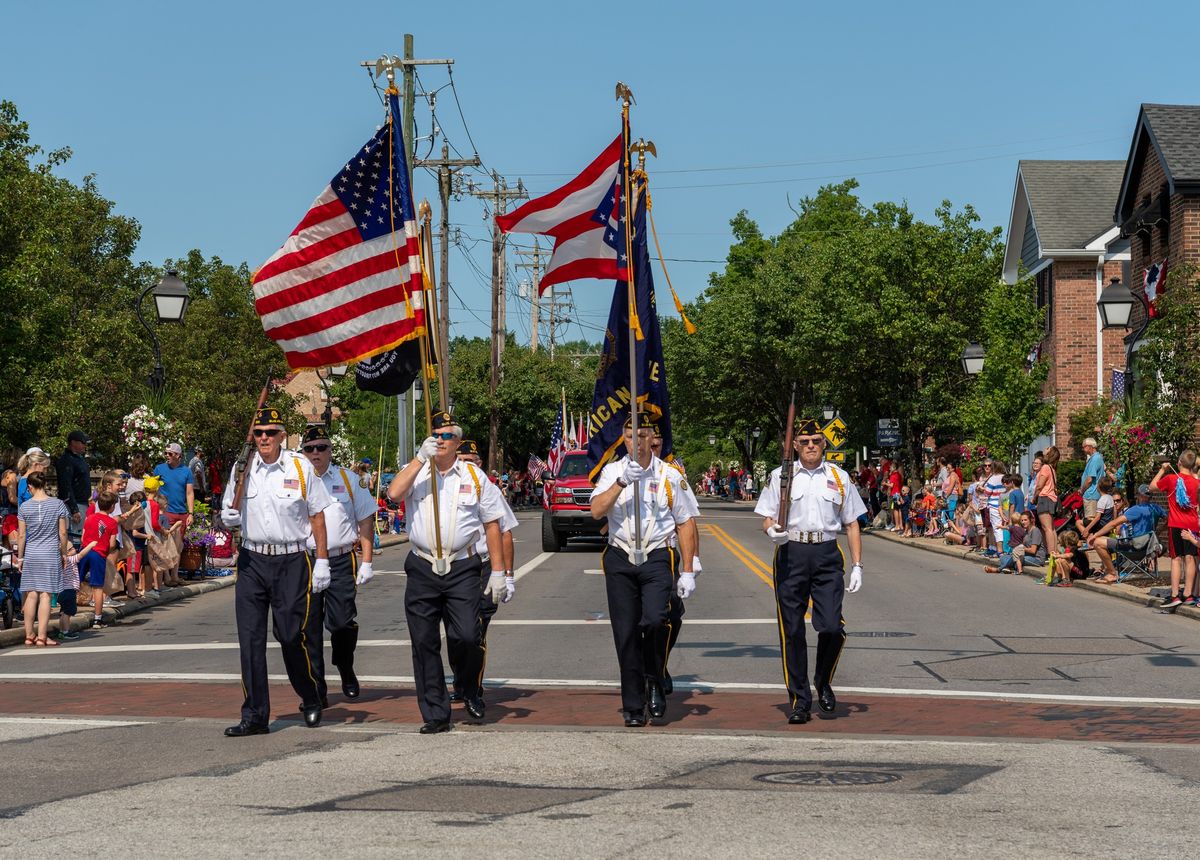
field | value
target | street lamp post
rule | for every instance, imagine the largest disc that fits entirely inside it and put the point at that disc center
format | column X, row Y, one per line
column 1116, row 311
column 972, row 359
column 171, row 298
column 335, row 372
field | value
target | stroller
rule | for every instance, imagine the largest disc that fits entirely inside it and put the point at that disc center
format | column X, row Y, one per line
column 1070, row 508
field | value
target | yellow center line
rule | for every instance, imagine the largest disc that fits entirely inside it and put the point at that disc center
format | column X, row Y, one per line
column 756, row 566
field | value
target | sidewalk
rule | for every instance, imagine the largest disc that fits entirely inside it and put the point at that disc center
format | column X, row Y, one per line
column 117, row 609
column 1135, row 594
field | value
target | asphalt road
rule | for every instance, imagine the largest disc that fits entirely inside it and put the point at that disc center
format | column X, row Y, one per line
column 952, row 682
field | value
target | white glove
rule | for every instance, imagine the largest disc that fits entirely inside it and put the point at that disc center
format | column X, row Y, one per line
column 510, row 589
column 777, row 535
column 232, row 517
column 320, row 575
column 495, row 589
column 687, row 585
column 365, row 573
column 633, row 471
column 696, row 568
column 855, row 579
column 428, row 450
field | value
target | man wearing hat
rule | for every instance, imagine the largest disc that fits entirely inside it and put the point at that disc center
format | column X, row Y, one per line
column 639, row 569
column 281, row 510
column 350, row 535
column 443, row 569
column 74, row 481
column 468, row 451
column 809, row 564
column 675, row 617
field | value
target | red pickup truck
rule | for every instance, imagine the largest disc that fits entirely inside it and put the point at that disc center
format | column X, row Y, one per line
column 569, row 512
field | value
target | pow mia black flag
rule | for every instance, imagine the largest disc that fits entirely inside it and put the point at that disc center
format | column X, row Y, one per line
column 392, row 372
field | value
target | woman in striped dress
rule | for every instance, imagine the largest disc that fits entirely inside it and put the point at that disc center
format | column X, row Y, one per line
column 41, row 545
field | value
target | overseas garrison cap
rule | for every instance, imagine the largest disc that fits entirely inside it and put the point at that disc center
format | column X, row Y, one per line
column 315, row 433
column 645, row 419
column 469, row 447
column 269, row 415
column 808, row 427
column 443, row 420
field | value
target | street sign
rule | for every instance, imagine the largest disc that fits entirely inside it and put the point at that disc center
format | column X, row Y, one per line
column 835, row 432
column 887, row 433
column 835, row 456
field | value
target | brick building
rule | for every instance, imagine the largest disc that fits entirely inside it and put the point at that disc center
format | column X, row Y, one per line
column 1061, row 235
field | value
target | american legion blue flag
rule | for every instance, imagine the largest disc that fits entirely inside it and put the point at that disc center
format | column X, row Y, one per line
column 610, row 399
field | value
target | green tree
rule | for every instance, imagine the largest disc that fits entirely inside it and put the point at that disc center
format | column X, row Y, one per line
column 1004, row 408
column 1168, row 364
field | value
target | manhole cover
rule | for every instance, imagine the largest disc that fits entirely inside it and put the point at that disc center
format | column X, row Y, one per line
column 879, row 634
column 830, row 777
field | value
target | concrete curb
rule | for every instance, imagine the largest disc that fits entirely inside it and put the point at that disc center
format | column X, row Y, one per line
column 114, row 611
column 1128, row 593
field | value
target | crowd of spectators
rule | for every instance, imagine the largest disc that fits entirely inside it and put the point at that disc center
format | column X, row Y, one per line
column 737, row 484
column 73, row 540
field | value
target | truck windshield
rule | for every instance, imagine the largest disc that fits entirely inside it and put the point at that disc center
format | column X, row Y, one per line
column 573, row 466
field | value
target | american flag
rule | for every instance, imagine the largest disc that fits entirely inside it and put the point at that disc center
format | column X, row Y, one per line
column 1153, row 281
column 346, row 284
column 1118, row 384
column 558, row 444
column 536, row 467
column 578, row 217
column 581, row 434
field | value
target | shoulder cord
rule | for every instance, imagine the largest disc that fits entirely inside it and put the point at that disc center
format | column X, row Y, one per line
column 838, row 479
column 475, row 478
column 300, row 472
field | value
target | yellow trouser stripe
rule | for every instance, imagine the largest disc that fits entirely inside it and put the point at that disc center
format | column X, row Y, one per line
column 304, row 625
column 782, row 634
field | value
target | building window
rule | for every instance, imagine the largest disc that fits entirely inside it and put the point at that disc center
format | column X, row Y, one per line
column 1045, row 294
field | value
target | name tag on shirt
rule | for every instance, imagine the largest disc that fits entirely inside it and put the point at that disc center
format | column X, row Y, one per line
column 291, row 484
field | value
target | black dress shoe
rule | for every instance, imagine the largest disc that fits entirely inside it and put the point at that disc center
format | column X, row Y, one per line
column 350, row 688
column 635, row 719
column 799, row 716
column 826, row 700
column 456, row 696
column 667, row 684
column 244, row 729
column 656, row 702
column 312, row 715
column 435, row 727
column 475, row 706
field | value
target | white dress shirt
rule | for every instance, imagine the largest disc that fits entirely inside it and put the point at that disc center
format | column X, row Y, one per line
column 659, row 517
column 355, row 504
column 822, row 499
column 508, row 522
column 279, row 499
column 464, row 506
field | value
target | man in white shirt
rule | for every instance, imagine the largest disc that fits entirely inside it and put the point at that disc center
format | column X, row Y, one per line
column 350, row 526
column 468, row 451
column 443, row 569
column 639, row 567
column 281, row 508
column 808, row 564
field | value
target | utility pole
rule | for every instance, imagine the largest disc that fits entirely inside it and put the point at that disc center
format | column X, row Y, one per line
column 536, row 267
column 562, row 305
column 407, row 66
column 446, row 167
column 499, row 194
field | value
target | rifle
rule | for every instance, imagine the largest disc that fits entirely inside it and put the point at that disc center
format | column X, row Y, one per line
column 785, row 468
column 239, row 466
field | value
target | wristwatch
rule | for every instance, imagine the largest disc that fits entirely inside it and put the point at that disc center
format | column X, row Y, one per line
column 622, row 483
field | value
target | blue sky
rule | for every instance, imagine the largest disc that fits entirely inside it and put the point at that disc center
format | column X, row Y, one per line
column 216, row 124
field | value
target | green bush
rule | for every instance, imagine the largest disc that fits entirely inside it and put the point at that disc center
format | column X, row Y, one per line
column 1069, row 473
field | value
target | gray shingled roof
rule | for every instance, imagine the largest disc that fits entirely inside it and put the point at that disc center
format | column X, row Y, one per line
column 1072, row 201
column 1176, row 128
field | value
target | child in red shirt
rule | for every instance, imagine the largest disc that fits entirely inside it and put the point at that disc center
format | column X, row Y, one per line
column 1183, row 490
column 100, row 530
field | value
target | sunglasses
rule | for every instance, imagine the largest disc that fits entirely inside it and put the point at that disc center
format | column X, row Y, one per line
column 269, row 433
column 446, row 437
column 315, row 449
column 1118, row 498
column 809, row 440
column 125, row 476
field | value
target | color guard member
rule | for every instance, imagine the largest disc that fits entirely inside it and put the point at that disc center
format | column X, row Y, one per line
column 444, row 570
column 675, row 618
column 282, row 509
column 639, row 590
column 469, row 451
column 350, row 526
column 808, row 563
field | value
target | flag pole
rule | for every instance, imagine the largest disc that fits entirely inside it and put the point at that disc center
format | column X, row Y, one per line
column 626, row 97
column 431, row 308
column 439, row 563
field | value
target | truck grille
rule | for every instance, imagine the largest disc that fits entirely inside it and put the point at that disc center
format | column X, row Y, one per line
column 583, row 496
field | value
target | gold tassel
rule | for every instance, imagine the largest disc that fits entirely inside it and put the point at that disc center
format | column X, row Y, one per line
column 688, row 325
